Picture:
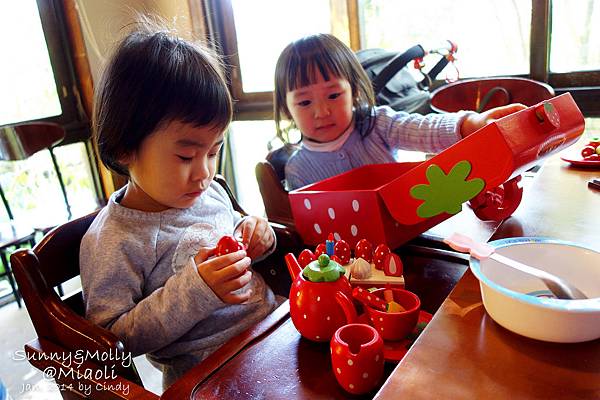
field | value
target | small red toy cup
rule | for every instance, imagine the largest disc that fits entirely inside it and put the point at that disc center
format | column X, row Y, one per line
column 228, row 244
column 396, row 325
column 357, row 357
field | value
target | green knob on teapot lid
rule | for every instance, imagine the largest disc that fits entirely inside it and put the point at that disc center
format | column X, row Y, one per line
column 323, row 270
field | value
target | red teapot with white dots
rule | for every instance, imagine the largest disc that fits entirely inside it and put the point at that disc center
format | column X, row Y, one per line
column 320, row 298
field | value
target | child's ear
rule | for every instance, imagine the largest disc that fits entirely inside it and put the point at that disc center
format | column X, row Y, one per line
column 125, row 159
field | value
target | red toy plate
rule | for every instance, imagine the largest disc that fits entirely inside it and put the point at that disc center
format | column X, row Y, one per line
column 578, row 161
column 393, row 351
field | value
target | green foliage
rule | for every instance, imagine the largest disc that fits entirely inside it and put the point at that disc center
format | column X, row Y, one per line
column 446, row 193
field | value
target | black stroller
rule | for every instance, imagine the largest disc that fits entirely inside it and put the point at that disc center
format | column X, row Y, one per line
column 394, row 85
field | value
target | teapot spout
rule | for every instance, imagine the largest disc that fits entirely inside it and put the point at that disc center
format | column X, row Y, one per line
column 292, row 265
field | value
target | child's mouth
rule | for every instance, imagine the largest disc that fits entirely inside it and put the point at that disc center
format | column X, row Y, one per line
column 323, row 127
column 193, row 194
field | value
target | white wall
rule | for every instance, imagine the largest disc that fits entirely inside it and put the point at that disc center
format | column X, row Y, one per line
column 104, row 22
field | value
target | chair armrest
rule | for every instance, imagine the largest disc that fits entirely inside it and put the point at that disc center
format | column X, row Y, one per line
column 55, row 322
column 80, row 377
column 275, row 197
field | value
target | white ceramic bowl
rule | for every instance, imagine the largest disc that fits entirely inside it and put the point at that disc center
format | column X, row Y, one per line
column 523, row 304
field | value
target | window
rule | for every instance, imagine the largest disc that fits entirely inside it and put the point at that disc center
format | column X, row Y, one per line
column 492, row 35
column 248, row 140
column 575, row 38
column 26, row 77
column 261, row 38
column 37, row 83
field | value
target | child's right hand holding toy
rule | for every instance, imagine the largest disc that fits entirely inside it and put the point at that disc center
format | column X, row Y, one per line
column 225, row 274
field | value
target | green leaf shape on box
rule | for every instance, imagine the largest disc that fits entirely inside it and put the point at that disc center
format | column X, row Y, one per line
column 446, row 193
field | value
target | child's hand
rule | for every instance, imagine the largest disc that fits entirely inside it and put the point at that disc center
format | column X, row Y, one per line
column 256, row 235
column 225, row 274
column 477, row 121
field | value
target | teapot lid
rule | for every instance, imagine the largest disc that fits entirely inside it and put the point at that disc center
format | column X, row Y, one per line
column 323, row 269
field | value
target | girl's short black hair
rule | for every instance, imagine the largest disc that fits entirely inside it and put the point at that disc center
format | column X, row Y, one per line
column 298, row 65
column 153, row 78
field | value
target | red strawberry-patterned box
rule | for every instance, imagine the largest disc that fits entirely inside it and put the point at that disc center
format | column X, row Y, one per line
column 393, row 203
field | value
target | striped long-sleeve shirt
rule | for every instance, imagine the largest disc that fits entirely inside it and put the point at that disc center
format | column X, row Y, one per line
column 393, row 130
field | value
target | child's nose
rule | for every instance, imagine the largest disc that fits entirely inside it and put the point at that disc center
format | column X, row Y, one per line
column 201, row 171
column 322, row 110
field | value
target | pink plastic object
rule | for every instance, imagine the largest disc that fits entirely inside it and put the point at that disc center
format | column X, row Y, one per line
column 318, row 309
column 378, row 202
column 357, row 358
column 465, row 244
column 369, row 299
column 397, row 325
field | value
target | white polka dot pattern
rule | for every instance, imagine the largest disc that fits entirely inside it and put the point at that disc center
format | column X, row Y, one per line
column 307, row 204
column 318, row 229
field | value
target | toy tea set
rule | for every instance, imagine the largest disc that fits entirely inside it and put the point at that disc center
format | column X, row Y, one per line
column 322, row 309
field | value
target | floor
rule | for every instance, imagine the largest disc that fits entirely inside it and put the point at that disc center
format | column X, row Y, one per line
column 23, row 381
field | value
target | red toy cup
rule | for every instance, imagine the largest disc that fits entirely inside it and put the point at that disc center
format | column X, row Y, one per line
column 357, row 357
column 397, row 325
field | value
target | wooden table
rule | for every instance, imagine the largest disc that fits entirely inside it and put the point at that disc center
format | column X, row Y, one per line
column 273, row 361
column 464, row 354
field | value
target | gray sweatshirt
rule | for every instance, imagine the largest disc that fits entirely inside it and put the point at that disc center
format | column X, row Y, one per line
column 140, row 281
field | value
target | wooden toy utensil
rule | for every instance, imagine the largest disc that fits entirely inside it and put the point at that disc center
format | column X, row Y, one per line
column 391, row 305
column 369, row 299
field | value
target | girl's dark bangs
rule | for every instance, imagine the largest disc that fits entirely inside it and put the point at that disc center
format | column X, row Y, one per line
column 303, row 69
column 197, row 94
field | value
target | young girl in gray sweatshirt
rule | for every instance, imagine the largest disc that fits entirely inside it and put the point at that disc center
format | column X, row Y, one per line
column 148, row 265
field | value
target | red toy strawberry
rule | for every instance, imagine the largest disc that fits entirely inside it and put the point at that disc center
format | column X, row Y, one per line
column 321, row 249
column 342, row 250
column 364, row 250
column 305, row 257
column 380, row 254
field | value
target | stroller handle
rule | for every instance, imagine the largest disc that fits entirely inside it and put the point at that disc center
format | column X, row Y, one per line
column 446, row 48
column 443, row 48
column 395, row 65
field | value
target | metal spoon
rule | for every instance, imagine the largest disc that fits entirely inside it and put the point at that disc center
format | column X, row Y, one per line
column 558, row 286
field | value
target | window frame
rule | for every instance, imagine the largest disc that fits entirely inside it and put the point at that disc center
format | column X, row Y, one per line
column 73, row 117
column 583, row 85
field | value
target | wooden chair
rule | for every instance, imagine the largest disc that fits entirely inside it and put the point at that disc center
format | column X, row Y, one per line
column 21, row 141
column 60, row 323
column 270, row 174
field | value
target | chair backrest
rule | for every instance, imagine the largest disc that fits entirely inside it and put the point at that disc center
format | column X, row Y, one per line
column 21, row 141
column 270, row 174
column 50, row 263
